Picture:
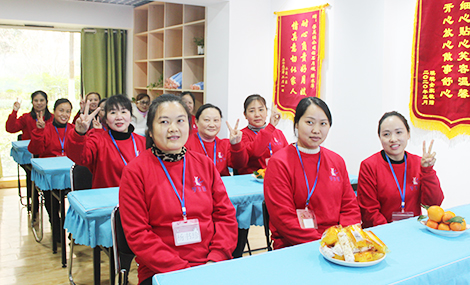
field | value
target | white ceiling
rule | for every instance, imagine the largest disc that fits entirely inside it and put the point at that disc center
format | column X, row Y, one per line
column 141, row 2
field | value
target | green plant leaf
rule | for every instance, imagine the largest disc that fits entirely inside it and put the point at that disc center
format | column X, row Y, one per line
column 422, row 217
column 456, row 219
column 426, row 207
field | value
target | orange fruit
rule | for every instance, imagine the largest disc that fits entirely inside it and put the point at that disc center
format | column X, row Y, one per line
column 464, row 225
column 447, row 216
column 456, row 226
column 432, row 224
column 435, row 213
column 443, row 227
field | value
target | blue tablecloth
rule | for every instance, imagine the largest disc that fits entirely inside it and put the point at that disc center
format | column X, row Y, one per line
column 246, row 194
column 417, row 257
column 89, row 216
column 51, row 173
column 19, row 152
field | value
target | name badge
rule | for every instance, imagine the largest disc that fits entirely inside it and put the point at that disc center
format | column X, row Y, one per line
column 267, row 160
column 307, row 219
column 186, row 232
column 398, row 216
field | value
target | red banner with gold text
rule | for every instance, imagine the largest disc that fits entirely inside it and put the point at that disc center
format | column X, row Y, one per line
column 297, row 56
column 440, row 97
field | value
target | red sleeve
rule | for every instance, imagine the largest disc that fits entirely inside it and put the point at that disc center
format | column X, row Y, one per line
column 81, row 149
column 37, row 145
column 13, row 123
column 257, row 147
column 430, row 187
column 278, row 194
column 225, row 236
column 148, row 246
column 238, row 156
column 367, row 196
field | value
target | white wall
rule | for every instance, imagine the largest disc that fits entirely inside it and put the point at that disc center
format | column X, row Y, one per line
column 366, row 72
column 72, row 15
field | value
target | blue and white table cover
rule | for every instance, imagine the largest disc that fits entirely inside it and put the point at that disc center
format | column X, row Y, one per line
column 19, row 152
column 417, row 256
column 51, row 173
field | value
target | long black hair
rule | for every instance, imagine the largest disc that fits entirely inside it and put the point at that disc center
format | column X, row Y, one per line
column 47, row 113
column 307, row 101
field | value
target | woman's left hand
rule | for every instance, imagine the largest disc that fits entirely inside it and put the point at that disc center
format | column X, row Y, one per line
column 428, row 159
column 40, row 124
column 97, row 123
column 235, row 133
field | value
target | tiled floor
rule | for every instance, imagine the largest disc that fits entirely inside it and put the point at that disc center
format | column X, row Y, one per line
column 24, row 261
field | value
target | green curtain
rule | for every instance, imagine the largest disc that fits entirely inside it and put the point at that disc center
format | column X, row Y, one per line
column 103, row 56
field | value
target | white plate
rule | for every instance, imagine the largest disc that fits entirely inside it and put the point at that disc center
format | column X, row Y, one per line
column 444, row 233
column 351, row 264
column 260, row 180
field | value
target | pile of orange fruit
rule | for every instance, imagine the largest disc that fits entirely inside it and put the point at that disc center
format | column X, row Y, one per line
column 444, row 220
column 260, row 173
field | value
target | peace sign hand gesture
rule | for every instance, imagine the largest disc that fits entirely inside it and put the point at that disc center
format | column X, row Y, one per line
column 40, row 124
column 275, row 115
column 428, row 158
column 83, row 122
column 97, row 123
column 235, row 133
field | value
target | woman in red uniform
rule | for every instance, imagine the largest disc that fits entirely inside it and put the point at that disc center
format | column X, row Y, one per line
column 175, row 210
column 105, row 153
column 306, row 187
column 27, row 123
column 224, row 153
column 47, row 140
column 190, row 102
column 394, row 183
column 260, row 139
column 94, row 99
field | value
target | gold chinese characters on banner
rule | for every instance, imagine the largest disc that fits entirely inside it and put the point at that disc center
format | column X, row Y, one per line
column 440, row 97
column 297, row 56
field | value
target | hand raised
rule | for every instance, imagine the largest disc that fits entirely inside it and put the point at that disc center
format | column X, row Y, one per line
column 275, row 115
column 83, row 122
column 428, row 159
column 235, row 133
column 40, row 124
column 17, row 104
column 97, row 123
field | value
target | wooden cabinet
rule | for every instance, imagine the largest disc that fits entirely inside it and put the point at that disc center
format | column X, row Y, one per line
column 164, row 45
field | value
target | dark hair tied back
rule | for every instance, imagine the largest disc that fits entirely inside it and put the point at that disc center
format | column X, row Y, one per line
column 305, row 103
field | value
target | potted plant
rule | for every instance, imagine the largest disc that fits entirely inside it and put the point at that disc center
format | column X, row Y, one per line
column 200, row 45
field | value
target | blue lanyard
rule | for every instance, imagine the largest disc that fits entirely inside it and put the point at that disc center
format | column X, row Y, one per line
column 183, row 207
column 62, row 141
column 115, row 144
column 269, row 145
column 204, row 148
column 402, row 193
column 310, row 192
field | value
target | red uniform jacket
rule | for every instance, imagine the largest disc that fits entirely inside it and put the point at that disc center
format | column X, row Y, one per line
column 227, row 155
column 378, row 194
column 149, row 205
column 25, row 123
column 285, row 190
column 257, row 147
column 46, row 142
column 98, row 152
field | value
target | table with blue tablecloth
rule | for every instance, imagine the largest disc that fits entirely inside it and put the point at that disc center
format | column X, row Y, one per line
column 19, row 152
column 416, row 256
column 53, row 174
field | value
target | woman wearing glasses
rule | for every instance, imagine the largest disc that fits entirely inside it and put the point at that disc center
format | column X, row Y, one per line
column 139, row 112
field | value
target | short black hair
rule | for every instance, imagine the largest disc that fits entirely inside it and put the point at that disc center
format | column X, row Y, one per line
column 190, row 94
column 116, row 101
column 206, row 106
column 61, row 101
column 305, row 103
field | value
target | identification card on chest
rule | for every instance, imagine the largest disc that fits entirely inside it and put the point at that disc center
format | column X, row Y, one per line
column 307, row 219
column 186, row 232
column 398, row 216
